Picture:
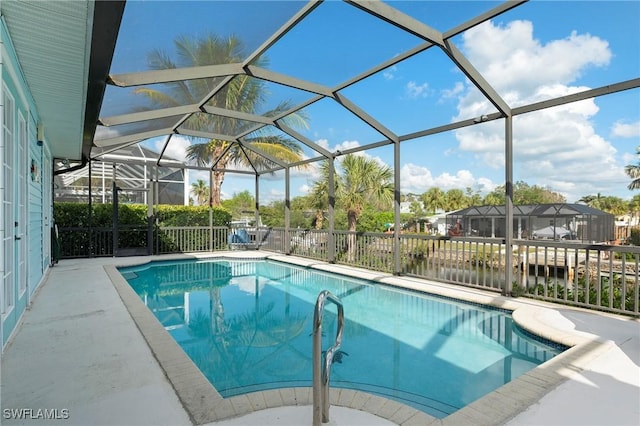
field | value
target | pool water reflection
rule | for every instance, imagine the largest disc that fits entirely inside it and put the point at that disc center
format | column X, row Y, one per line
column 247, row 326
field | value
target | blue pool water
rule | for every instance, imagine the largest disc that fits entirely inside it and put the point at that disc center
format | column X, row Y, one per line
column 247, row 325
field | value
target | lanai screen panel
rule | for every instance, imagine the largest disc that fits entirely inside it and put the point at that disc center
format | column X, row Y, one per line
column 224, row 73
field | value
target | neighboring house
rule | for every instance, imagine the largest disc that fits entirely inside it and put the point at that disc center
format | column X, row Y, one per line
column 133, row 178
column 53, row 70
column 537, row 221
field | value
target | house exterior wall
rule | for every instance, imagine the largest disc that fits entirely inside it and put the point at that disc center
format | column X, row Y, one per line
column 25, row 186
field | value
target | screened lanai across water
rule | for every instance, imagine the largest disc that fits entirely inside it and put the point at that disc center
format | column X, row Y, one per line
column 447, row 94
column 576, row 222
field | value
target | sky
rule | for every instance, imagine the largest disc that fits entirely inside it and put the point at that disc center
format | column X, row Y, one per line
column 537, row 51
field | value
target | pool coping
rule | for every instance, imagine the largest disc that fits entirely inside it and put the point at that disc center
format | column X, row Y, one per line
column 204, row 404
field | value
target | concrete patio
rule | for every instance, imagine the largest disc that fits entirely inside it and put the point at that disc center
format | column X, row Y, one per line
column 79, row 353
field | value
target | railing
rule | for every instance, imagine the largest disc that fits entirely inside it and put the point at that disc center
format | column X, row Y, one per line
column 475, row 262
column 185, row 239
column 85, row 242
column 322, row 371
column 598, row 276
column 595, row 276
column 370, row 250
column 272, row 239
column 311, row 243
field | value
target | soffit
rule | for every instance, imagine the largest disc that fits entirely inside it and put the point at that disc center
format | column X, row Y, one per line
column 52, row 42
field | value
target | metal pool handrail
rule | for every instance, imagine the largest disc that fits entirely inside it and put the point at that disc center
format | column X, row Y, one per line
column 321, row 375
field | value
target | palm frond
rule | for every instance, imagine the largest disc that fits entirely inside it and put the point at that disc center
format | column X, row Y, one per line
column 242, row 93
column 157, row 97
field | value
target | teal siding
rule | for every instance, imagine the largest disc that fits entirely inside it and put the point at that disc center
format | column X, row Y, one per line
column 36, row 253
column 30, row 212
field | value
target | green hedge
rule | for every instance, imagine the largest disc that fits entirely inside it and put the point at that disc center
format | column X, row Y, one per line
column 192, row 216
column 76, row 240
column 74, row 215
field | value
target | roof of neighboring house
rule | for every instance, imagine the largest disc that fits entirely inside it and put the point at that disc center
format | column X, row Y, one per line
column 559, row 209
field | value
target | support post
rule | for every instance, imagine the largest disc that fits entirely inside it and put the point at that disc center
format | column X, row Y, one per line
column 396, row 207
column 287, row 213
column 148, row 183
column 331, row 240
column 508, row 238
column 257, row 212
column 91, row 245
column 115, row 213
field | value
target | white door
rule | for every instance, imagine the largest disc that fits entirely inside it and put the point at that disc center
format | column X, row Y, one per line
column 21, row 196
column 8, row 209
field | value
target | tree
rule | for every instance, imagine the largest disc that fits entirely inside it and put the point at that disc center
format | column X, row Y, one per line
column 633, row 171
column 319, row 195
column 200, row 190
column 495, row 198
column 240, row 204
column 473, row 198
column 523, row 193
column 360, row 181
column 610, row 204
column 455, row 200
column 363, row 181
column 433, row 199
column 614, row 205
column 243, row 94
column 594, row 201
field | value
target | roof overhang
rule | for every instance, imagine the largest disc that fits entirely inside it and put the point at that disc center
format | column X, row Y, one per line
column 65, row 50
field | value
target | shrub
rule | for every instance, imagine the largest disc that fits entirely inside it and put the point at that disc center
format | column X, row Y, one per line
column 192, row 216
column 133, row 221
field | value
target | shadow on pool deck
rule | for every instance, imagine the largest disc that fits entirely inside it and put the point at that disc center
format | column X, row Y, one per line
column 79, row 354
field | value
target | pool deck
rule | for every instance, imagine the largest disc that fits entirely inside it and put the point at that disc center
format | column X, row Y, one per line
column 90, row 353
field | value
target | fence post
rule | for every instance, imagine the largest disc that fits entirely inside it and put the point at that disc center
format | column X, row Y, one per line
column 210, row 228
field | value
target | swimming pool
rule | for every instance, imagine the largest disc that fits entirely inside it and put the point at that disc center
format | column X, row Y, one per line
column 247, row 325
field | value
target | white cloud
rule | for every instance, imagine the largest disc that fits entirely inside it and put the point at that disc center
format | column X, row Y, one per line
column 454, row 91
column 271, row 195
column 304, row 189
column 389, row 73
column 415, row 90
column 195, row 175
column 509, row 56
column 626, row 130
column 324, row 143
column 630, row 158
column 556, row 147
column 176, row 149
column 418, row 179
column 103, row 132
column 344, row 145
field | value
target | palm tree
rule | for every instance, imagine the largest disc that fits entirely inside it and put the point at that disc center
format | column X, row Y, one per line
column 243, row 93
column 360, row 181
column 200, row 190
column 319, row 194
column 595, row 201
column 587, row 199
column 633, row 171
column 455, row 200
column 433, row 199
